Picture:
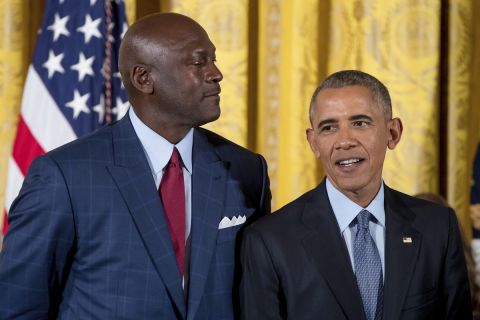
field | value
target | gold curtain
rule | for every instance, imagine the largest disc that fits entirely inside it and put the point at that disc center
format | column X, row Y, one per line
column 273, row 53
column 19, row 21
column 463, row 105
column 227, row 24
column 397, row 41
column 291, row 62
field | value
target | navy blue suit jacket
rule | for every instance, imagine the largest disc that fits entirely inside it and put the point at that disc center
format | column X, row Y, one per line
column 88, row 238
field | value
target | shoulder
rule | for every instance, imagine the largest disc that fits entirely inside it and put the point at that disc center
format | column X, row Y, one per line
column 226, row 149
column 245, row 166
column 285, row 220
column 424, row 214
column 72, row 158
column 97, row 144
column 284, row 231
column 413, row 203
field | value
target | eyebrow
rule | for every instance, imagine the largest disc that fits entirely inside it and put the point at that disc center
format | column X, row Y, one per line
column 360, row 117
column 326, row 122
column 355, row 117
column 204, row 53
column 205, row 50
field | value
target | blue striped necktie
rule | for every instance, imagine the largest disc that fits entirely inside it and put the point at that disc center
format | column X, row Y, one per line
column 368, row 268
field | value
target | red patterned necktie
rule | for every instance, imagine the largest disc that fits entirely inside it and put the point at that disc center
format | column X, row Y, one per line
column 172, row 193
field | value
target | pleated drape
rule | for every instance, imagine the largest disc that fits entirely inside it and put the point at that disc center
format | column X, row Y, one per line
column 18, row 24
column 273, row 53
column 290, row 45
column 227, row 23
column 463, row 104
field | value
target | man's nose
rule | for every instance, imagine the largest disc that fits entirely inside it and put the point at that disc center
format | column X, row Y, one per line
column 345, row 139
column 213, row 73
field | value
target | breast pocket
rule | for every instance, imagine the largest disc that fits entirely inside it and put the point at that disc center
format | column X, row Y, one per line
column 228, row 234
column 229, row 226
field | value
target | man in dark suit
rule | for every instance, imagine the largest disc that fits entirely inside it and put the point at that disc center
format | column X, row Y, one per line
column 352, row 248
column 91, row 237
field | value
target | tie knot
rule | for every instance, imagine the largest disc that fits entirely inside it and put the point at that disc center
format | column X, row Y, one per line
column 363, row 218
column 175, row 158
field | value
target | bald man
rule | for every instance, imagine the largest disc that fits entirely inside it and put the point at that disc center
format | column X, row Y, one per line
column 141, row 219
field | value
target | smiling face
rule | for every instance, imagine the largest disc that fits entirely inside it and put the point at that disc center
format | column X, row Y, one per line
column 350, row 135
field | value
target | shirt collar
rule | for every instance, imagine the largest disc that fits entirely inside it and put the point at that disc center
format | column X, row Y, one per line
column 158, row 149
column 346, row 210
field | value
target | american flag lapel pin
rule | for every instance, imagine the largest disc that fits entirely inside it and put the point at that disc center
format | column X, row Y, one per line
column 407, row 240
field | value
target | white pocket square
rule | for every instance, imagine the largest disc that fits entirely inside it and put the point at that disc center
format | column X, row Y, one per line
column 234, row 221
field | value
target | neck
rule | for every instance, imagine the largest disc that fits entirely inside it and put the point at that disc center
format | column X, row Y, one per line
column 172, row 131
column 172, row 135
column 363, row 196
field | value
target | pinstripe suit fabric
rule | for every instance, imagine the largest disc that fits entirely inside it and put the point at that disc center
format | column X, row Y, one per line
column 88, row 238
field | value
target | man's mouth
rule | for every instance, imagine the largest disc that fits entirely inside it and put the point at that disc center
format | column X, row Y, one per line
column 348, row 162
column 213, row 93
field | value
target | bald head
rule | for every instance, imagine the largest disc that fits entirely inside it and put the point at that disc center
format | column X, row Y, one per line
column 148, row 39
column 167, row 63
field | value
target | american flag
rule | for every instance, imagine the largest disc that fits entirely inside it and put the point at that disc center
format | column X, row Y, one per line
column 73, row 85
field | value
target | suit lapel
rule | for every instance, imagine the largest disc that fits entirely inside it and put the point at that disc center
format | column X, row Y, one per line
column 402, row 243
column 326, row 246
column 208, row 189
column 133, row 177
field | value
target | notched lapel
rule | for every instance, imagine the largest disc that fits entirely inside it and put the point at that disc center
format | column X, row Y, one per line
column 402, row 244
column 209, row 183
column 134, row 180
column 325, row 245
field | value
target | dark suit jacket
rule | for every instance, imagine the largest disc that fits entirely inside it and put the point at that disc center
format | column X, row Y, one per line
column 296, row 264
column 88, row 238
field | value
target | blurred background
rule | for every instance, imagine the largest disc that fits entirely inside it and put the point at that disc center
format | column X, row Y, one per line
column 273, row 53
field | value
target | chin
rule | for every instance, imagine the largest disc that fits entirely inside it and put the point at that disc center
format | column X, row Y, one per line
column 209, row 119
column 351, row 186
column 214, row 115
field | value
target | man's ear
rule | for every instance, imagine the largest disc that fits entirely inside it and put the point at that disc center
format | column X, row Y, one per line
column 311, row 140
column 395, row 129
column 141, row 78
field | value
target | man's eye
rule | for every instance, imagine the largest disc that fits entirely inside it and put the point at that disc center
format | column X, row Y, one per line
column 199, row 62
column 360, row 123
column 326, row 128
column 202, row 61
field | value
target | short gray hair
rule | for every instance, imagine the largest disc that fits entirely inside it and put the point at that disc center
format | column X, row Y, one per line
column 348, row 78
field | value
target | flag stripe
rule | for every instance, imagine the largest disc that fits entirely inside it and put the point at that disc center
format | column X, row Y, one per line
column 45, row 120
column 15, row 180
column 64, row 91
column 5, row 222
column 26, row 147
